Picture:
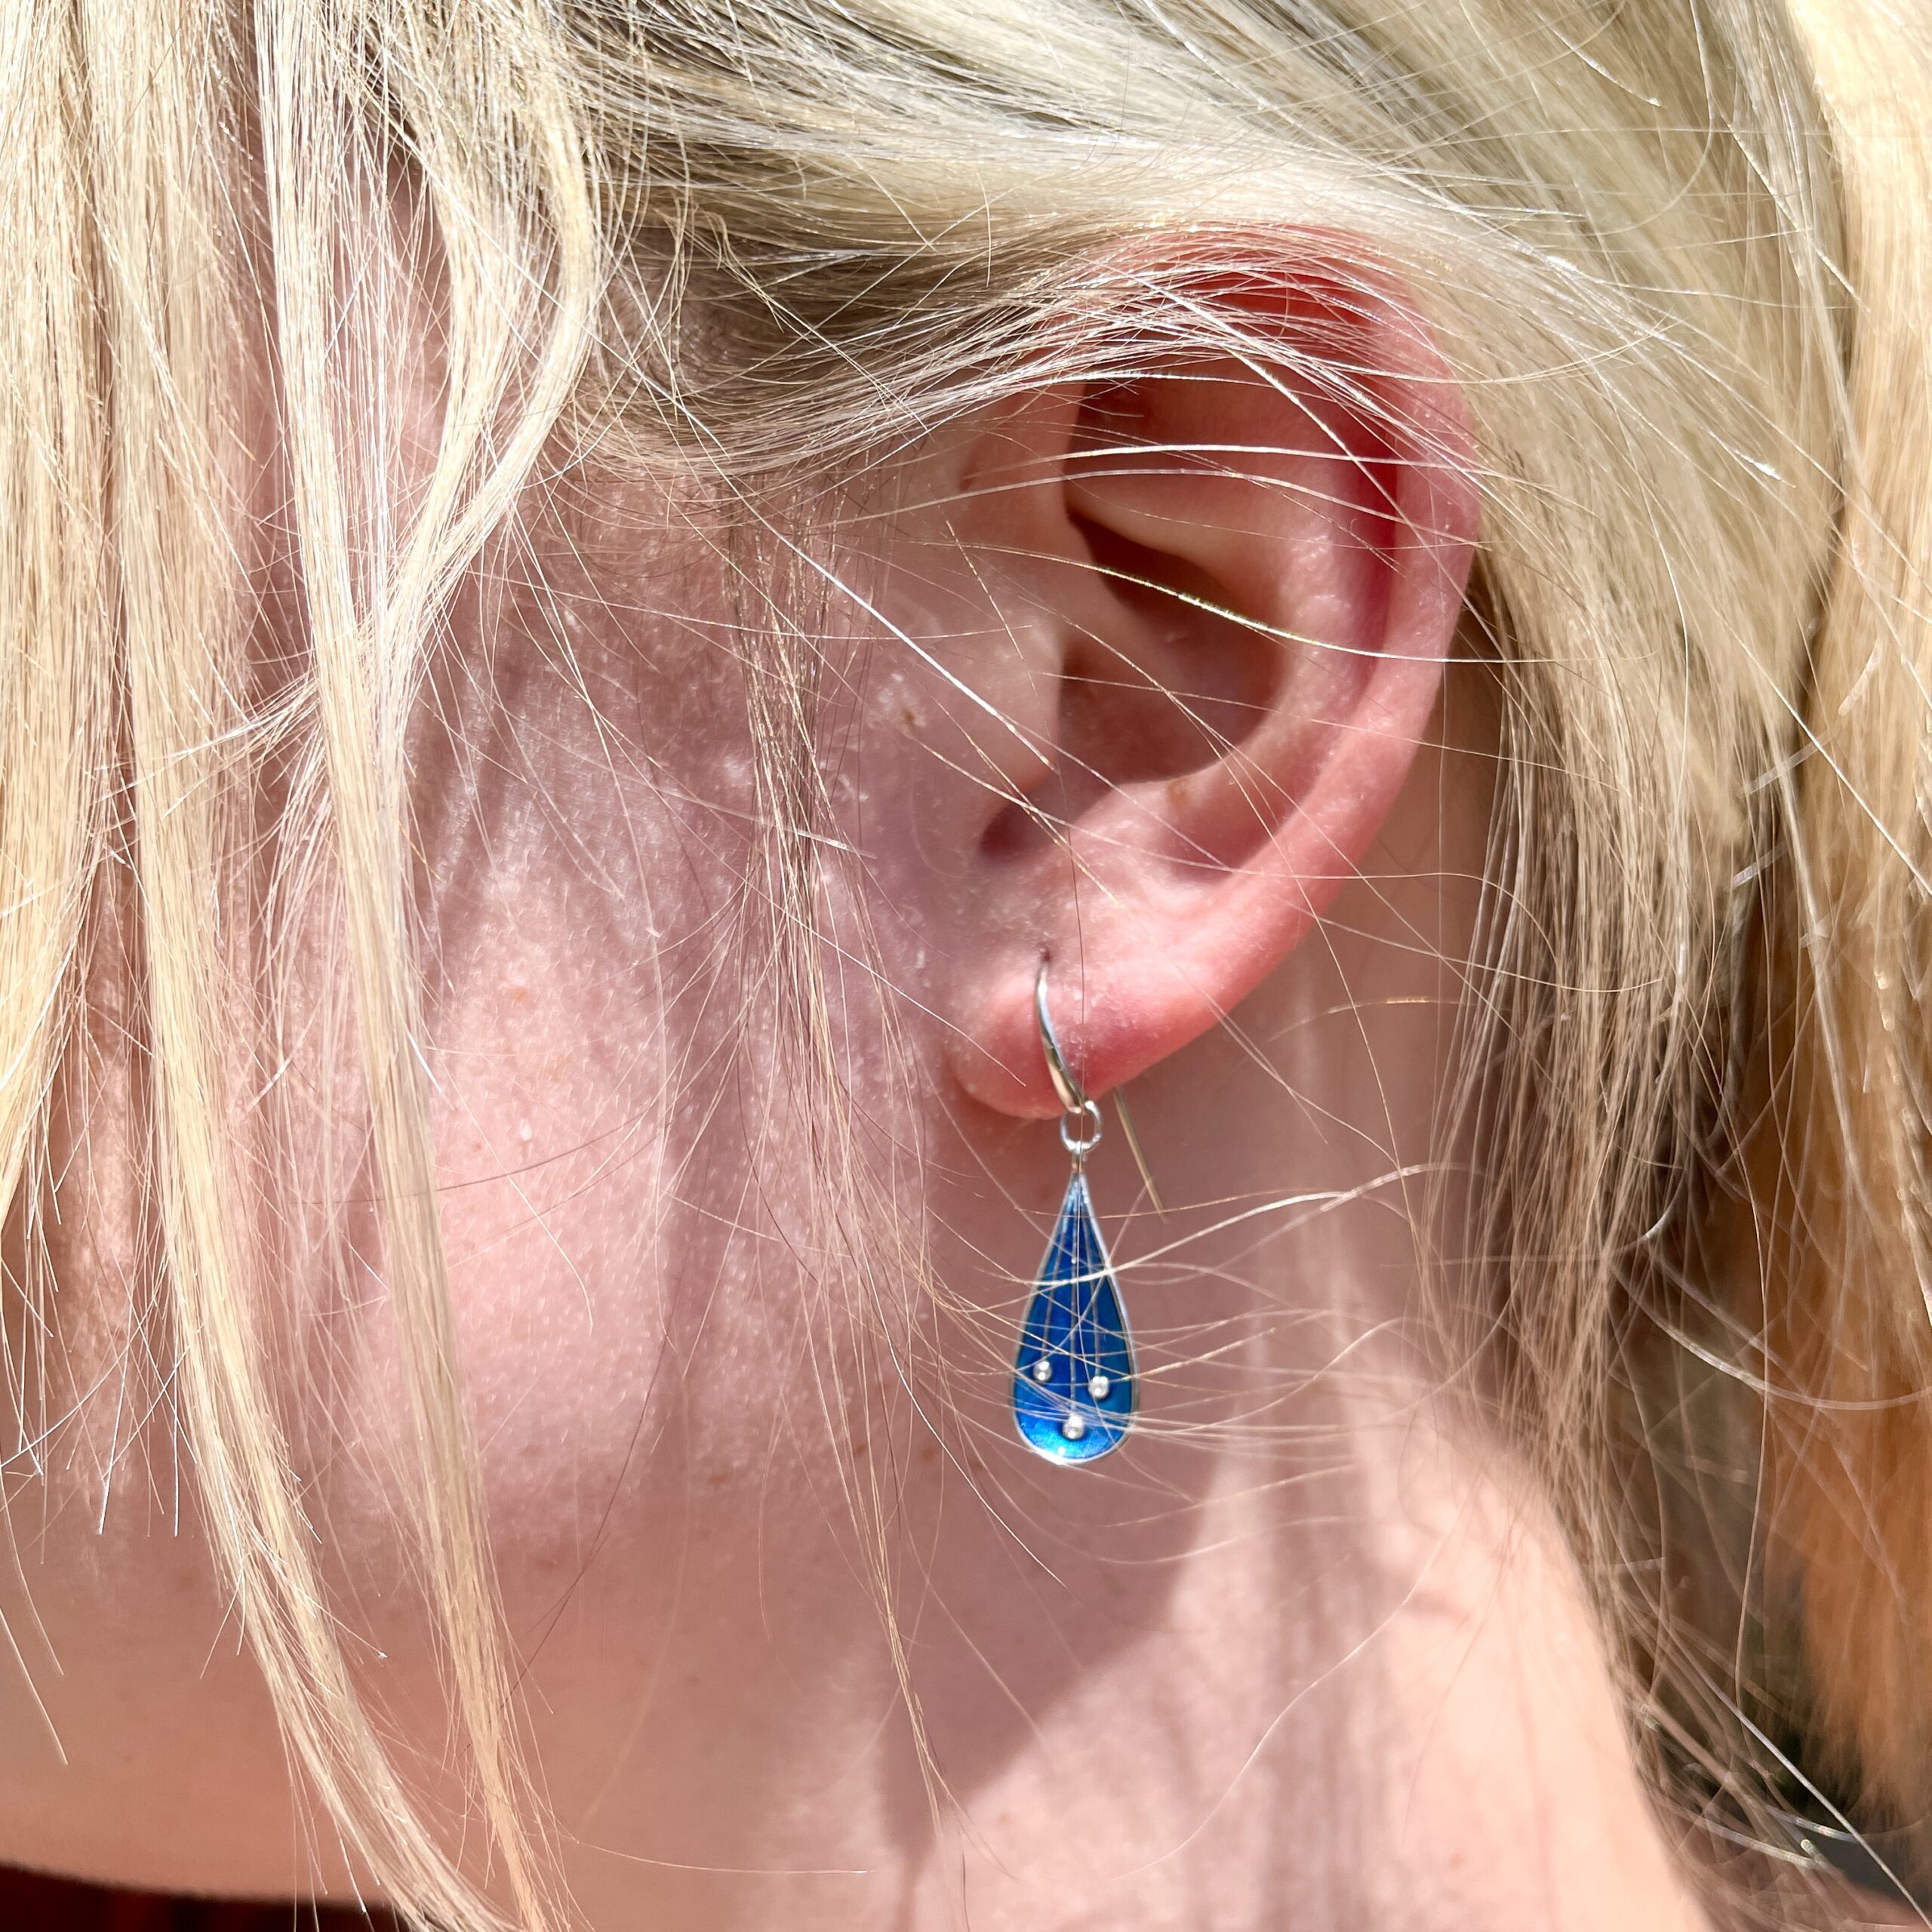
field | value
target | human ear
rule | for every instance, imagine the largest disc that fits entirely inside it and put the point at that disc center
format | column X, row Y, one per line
column 1231, row 578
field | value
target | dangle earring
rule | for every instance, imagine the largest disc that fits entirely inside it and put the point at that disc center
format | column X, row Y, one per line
column 1073, row 1382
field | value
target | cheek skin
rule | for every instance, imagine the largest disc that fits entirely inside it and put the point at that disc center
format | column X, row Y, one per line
column 598, row 1074
column 623, row 1200
column 612, row 1160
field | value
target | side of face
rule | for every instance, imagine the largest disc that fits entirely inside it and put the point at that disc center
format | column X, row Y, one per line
column 738, row 862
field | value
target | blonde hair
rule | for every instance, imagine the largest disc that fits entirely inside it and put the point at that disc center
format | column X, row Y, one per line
column 1677, row 254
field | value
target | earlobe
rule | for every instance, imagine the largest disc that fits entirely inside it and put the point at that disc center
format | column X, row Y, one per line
column 1251, row 564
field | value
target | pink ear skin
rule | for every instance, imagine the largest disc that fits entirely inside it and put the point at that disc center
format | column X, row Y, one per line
column 1284, row 542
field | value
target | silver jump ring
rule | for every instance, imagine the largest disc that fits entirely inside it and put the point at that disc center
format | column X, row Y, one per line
column 1080, row 1144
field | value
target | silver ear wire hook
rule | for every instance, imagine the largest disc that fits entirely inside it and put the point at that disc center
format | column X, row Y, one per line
column 1080, row 1131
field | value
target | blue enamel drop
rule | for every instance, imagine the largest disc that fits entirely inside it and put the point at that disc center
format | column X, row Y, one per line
column 1073, row 1382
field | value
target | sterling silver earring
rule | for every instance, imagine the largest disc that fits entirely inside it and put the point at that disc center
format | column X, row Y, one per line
column 1073, row 1382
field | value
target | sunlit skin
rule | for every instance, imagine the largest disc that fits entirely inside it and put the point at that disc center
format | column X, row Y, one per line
column 1306, row 1652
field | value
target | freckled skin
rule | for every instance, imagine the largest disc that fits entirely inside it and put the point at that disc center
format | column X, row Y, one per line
column 1309, row 1655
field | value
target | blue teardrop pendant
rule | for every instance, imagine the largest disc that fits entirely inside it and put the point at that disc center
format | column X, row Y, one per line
column 1073, row 1383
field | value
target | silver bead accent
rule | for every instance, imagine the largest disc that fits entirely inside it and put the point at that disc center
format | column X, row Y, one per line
column 1042, row 1370
column 1073, row 1428
column 1099, row 1387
